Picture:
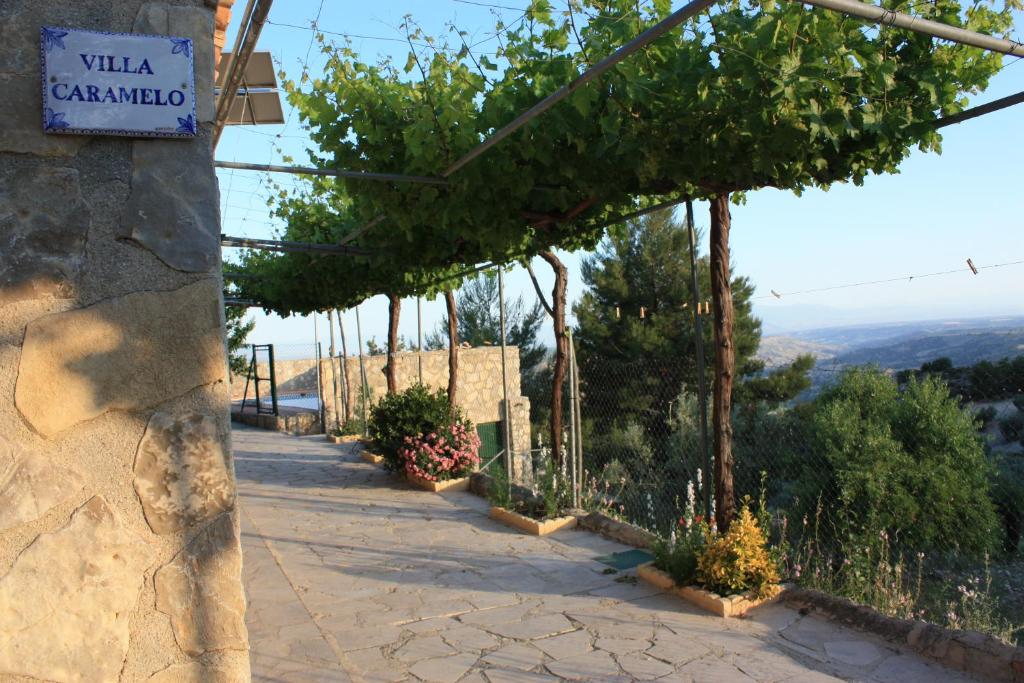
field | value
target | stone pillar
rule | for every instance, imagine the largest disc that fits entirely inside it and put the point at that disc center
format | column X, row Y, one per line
column 119, row 542
column 517, row 421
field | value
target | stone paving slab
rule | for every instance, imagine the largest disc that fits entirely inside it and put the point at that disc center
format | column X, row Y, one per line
column 352, row 575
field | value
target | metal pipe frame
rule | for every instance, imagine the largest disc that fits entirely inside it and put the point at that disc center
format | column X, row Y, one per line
column 244, row 46
column 310, row 170
column 888, row 17
column 647, row 37
column 279, row 245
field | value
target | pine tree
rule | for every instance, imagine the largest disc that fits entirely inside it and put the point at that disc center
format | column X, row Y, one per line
column 640, row 364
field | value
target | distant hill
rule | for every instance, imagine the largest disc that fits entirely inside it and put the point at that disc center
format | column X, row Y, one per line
column 963, row 348
column 898, row 346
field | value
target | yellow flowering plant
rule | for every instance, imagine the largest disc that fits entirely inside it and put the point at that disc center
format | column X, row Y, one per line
column 738, row 561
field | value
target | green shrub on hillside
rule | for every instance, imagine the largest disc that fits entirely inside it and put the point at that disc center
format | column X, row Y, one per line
column 907, row 463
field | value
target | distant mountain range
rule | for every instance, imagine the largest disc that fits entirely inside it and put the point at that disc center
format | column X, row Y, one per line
column 899, row 346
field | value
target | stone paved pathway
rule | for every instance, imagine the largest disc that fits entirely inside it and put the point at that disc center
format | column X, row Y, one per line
column 353, row 576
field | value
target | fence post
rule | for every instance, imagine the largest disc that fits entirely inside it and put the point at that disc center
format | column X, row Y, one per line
column 362, row 371
column 419, row 337
column 346, row 389
column 573, row 436
column 273, row 381
column 507, row 426
column 578, row 416
column 334, row 373
column 698, row 340
column 319, row 388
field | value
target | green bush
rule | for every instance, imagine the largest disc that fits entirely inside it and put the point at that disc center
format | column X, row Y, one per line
column 985, row 415
column 908, row 463
column 1012, row 426
column 1008, row 495
column 414, row 411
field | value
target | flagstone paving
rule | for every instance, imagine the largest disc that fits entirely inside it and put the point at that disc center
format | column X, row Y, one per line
column 353, row 576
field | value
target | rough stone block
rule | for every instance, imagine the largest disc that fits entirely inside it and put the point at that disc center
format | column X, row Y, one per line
column 67, row 600
column 201, row 591
column 42, row 241
column 30, row 486
column 158, row 18
column 197, row 672
column 21, row 110
column 182, row 474
column 129, row 353
column 172, row 208
column 19, row 43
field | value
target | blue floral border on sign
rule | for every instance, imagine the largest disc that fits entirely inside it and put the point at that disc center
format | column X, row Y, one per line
column 51, row 37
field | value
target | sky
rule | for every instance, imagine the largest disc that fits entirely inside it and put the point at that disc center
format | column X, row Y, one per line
column 938, row 211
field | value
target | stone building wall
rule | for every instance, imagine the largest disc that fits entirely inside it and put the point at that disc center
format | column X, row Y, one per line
column 119, row 545
column 479, row 390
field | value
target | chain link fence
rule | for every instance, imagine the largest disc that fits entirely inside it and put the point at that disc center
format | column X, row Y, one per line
column 902, row 490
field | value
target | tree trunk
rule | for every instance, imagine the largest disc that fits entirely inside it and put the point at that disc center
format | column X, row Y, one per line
column 344, row 371
column 394, row 310
column 725, row 361
column 453, row 346
column 561, row 350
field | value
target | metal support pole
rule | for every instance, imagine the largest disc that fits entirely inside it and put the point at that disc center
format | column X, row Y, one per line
column 698, row 340
column 573, row 435
column 419, row 333
column 334, row 373
column 362, row 371
column 345, row 397
column 888, row 17
column 319, row 384
column 504, row 377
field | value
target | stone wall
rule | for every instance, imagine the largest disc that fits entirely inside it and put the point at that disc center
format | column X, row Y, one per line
column 479, row 390
column 119, row 543
column 479, row 393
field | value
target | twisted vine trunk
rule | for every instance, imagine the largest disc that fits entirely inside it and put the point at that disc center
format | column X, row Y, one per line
column 561, row 350
column 453, row 346
column 394, row 310
column 725, row 361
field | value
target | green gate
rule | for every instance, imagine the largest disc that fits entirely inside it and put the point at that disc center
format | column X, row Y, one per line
column 490, row 440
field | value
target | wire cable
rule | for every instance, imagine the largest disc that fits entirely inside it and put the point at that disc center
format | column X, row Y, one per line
column 906, row 278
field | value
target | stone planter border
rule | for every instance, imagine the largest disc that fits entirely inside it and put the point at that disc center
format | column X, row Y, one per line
column 617, row 530
column 976, row 653
column 530, row 525
column 460, row 484
column 372, row 458
column 727, row 606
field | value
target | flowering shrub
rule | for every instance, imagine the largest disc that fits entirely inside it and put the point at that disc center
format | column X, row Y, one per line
column 448, row 453
column 415, row 411
column 738, row 561
column 677, row 555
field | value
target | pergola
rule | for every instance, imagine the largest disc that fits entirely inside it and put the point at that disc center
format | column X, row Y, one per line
column 440, row 276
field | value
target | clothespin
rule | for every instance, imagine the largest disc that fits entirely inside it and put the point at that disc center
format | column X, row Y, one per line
column 776, row 294
column 970, row 264
column 642, row 311
column 618, row 313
